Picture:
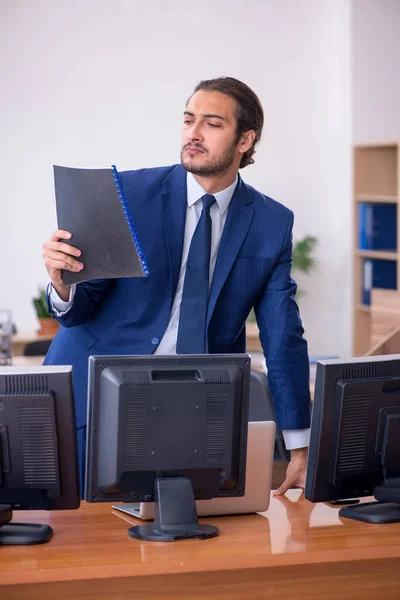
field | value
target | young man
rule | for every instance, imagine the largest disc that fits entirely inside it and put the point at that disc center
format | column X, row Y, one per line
column 216, row 248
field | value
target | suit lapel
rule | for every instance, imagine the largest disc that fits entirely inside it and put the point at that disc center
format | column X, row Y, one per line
column 235, row 230
column 174, row 202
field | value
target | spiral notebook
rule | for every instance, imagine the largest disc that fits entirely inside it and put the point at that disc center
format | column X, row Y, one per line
column 92, row 206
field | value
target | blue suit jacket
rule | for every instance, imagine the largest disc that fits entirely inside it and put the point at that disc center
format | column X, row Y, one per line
column 130, row 316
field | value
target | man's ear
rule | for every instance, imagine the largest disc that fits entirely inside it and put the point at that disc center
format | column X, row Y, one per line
column 246, row 141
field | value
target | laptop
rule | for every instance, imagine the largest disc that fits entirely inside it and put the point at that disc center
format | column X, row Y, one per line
column 259, row 460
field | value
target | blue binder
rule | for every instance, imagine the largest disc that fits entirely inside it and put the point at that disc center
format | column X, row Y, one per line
column 378, row 273
column 377, row 226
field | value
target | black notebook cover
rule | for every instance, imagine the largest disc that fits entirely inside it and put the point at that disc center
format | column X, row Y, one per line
column 91, row 205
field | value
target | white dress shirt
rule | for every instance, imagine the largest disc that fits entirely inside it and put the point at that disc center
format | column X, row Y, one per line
column 298, row 438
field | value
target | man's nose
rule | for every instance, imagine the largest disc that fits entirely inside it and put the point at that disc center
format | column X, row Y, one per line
column 194, row 133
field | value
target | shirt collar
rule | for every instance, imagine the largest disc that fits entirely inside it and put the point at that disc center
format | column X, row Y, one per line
column 195, row 192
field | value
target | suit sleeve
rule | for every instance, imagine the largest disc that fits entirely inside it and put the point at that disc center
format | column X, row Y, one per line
column 87, row 299
column 285, row 349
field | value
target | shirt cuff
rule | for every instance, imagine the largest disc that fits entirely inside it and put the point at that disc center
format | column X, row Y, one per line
column 59, row 306
column 296, row 438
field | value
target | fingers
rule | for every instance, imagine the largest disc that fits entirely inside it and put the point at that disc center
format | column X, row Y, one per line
column 282, row 489
column 61, row 247
column 295, row 478
column 54, row 243
column 59, row 260
column 287, row 502
column 60, row 234
column 286, row 485
column 59, row 255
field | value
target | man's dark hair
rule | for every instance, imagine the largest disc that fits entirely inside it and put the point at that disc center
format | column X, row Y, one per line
column 249, row 112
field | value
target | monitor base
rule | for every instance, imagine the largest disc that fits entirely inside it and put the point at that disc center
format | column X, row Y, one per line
column 175, row 514
column 151, row 533
column 372, row 512
column 21, row 534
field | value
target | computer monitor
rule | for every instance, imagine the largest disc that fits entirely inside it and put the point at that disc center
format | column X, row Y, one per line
column 168, row 429
column 355, row 431
column 38, row 449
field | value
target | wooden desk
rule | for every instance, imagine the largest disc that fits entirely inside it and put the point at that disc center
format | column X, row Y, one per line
column 27, row 361
column 294, row 551
column 20, row 340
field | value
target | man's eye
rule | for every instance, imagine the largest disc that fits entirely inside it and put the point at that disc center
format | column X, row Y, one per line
column 213, row 125
column 187, row 122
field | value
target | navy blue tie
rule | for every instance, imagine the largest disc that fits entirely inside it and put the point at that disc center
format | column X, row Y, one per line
column 192, row 320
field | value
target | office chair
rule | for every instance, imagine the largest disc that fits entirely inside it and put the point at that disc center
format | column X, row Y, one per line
column 261, row 409
column 37, row 348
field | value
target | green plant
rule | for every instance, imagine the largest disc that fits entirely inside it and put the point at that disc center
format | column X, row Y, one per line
column 40, row 305
column 303, row 259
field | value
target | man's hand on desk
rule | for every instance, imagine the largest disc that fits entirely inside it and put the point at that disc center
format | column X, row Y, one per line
column 296, row 471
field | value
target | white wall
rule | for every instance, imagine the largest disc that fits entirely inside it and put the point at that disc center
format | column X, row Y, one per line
column 376, row 69
column 91, row 83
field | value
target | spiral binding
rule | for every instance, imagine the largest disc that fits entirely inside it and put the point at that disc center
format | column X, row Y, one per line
column 129, row 220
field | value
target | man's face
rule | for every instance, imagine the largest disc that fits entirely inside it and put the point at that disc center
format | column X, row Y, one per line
column 209, row 146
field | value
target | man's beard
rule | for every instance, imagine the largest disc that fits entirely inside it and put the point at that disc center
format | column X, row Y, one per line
column 216, row 166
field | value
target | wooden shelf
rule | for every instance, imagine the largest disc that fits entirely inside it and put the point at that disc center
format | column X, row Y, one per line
column 363, row 307
column 376, row 180
column 376, row 170
column 373, row 146
column 379, row 254
column 374, row 199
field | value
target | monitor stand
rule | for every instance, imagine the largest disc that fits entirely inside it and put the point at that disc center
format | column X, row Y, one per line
column 175, row 514
column 387, row 507
column 21, row 534
column 385, row 510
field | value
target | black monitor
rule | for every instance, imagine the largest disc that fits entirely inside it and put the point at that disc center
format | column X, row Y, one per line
column 38, row 449
column 169, row 430
column 355, row 431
